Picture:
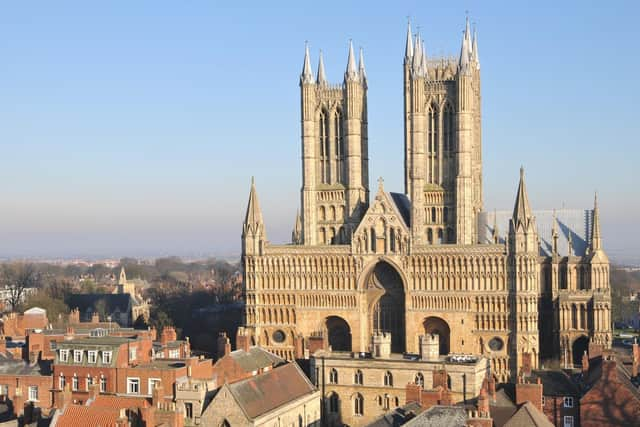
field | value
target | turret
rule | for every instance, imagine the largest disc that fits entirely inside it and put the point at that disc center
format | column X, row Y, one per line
column 306, row 77
column 596, row 239
column 322, row 79
column 523, row 235
column 466, row 52
column 253, row 231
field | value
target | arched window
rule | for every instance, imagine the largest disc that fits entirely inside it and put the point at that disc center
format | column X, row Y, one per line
column 89, row 382
column 449, row 382
column 103, row 384
column 430, row 236
column 397, row 401
column 225, row 423
column 324, row 147
column 433, row 215
column 358, row 404
column 323, row 236
column 357, row 377
column 419, row 380
column 385, row 405
column 388, row 379
column 62, row 381
column 392, row 238
column 333, row 376
column 448, row 131
column 322, row 213
column 440, row 237
column 339, row 144
column 332, row 213
column 432, row 142
column 332, row 234
column 74, row 382
column 334, row 402
column 373, row 240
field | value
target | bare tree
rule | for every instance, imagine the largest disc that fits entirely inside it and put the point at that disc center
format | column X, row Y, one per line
column 17, row 278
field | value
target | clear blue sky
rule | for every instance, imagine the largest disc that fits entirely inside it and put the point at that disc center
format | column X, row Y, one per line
column 124, row 125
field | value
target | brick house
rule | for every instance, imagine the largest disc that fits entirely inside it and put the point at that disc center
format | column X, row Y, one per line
column 560, row 397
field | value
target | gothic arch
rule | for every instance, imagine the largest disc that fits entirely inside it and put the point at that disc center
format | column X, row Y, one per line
column 338, row 333
column 579, row 346
column 438, row 326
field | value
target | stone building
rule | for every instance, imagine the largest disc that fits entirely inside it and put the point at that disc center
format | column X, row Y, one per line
column 417, row 262
column 360, row 387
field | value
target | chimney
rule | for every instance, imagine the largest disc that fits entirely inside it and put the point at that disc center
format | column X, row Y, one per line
column 243, row 340
column 526, row 364
column 64, row 397
column 168, row 335
column 492, row 387
column 440, row 378
column 95, row 318
column 636, row 358
column 529, row 392
column 224, row 346
column 157, row 395
column 94, row 389
column 585, row 363
column 74, row 316
column 483, row 399
column 413, row 393
column 69, row 334
column 429, row 347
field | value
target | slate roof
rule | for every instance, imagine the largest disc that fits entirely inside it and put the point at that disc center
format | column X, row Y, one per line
column 268, row 391
column 11, row 366
column 502, row 408
column 403, row 205
column 528, row 416
column 255, row 359
column 440, row 416
column 574, row 222
column 399, row 416
column 556, row 383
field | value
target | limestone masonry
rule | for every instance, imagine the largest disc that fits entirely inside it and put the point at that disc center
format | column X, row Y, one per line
column 418, row 262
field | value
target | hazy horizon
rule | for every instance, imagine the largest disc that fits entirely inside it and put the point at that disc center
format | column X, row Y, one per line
column 125, row 124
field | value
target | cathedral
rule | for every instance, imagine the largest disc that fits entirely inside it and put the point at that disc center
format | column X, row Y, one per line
column 427, row 260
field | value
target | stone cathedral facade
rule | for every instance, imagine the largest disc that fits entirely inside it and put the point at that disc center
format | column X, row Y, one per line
column 413, row 263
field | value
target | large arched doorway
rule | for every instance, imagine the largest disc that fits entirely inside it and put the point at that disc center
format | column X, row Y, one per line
column 338, row 333
column 436, row 325
column 580, row 345
column 385, row 292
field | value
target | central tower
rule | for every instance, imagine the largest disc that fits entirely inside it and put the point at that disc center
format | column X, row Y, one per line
column 335, row 159
column 443, row 163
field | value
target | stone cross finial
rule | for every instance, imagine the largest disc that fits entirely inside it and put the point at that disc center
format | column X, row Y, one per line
column 380, row 184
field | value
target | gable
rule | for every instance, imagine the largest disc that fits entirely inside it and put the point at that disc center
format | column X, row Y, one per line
column 383, row 228
column 224, row 407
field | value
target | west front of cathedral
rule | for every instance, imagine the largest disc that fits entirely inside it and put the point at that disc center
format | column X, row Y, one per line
column 427, row 260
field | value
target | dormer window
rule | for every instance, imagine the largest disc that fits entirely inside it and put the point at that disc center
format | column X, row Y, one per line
column 64, row 355
column 77, row 356
column 106, row 357
column 92, row 356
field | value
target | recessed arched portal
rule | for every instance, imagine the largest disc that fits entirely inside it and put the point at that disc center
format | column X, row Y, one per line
column 580, row 345
column 338, row 333
column 385, row 292
column 436, row 325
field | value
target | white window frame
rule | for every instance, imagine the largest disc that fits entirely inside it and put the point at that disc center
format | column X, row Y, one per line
column 77, row 356
column 75, row 382
column 568, row 421
column 107, row 356
column 88, row 382
column 103, row 384
column 133, row 353
column 151, row 382
column 62, row 381
column 33, row 393
column 64, row 355
column 174, row 354
column 92, row 356
column 568, row 402
column 130, row 382
column 4, row 389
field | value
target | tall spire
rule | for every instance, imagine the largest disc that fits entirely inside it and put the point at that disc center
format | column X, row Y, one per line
column 522, row 209
column 416, row 65
column 306, row 77
column 351, row 74
column 474, row 52
column 423, row 62
column 495, row 233
column 253, row 220
column 554, row 233
column 596, row 239
column 322, row 79
column 465, row 50
column 361, row 71
column 296, row 235
column 408, row 49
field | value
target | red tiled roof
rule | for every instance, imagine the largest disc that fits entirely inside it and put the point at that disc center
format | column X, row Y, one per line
column 117, row 402
column 87, row 416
